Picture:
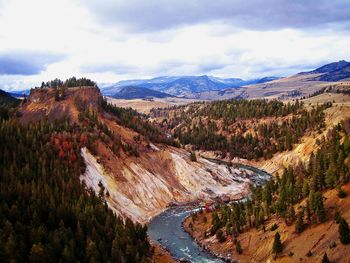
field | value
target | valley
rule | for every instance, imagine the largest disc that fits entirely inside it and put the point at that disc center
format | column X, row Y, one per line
column 174, row 131
column 142, row 156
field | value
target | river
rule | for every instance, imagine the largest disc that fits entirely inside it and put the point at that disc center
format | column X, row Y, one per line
column 166, row 228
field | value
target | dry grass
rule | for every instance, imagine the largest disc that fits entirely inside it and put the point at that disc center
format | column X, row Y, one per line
column 280, row 87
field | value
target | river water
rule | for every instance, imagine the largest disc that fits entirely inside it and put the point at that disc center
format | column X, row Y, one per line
column 166, row 228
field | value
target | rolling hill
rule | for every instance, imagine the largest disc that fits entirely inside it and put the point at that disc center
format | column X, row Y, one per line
column 340, row 74
column 134, row 92
column 7, row 99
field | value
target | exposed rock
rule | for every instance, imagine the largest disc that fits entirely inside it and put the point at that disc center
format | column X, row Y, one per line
column 146, row 192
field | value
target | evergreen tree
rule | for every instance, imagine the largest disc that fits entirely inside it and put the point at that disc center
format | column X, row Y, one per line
column 319, row 207
column 299, row 226
column 344, row 232
column 325, row 258
column 238, row 247
column 193, row 157
column 277, row 246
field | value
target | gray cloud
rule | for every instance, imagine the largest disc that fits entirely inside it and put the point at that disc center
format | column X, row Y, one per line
column 26, row 62
column 167, row 67
column 155, row 15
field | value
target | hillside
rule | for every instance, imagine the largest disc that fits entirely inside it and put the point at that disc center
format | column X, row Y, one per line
column 331, row 67
column 47, row 215
column 7, row 100
column 337, row 75
column 244, row 129
column 257, row 243
column 304, row 205
column 129, row 158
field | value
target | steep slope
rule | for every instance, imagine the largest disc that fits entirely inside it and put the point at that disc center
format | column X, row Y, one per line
column 139, row 178
column 257, row 243
column 339, row 111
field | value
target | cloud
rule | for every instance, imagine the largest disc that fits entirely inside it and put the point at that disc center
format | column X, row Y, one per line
column 116, row 67
column 26, row 62
column 155, row 15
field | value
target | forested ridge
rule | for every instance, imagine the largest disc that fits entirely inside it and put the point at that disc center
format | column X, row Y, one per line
column 46, row 214
column 327, row 169
column 247, row 129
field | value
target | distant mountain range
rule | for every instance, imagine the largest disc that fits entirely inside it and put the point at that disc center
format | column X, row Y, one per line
column 134, row 92
column 181, row 86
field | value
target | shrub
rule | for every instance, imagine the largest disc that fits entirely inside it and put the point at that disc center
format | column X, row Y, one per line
column 274, row 227
column 220, row 236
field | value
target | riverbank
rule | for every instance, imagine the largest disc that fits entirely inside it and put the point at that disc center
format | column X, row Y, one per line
column 198, row 231
column 161, row 255
column 308, row 246
column 166, row 229
column 186, row 227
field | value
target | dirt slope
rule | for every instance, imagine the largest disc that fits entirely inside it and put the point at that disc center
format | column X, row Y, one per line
column 142, row 187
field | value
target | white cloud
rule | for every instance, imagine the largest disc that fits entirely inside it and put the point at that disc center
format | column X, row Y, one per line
column 209, row 45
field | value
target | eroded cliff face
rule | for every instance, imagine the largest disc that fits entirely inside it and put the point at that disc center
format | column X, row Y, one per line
column 164, row 176
column 42, row 103
column 135, row 185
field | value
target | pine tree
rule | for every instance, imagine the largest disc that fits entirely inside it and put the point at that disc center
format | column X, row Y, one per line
column 320, row 210
column 344, row 232
column 277, row 244
column 325, row 258
column 238, row 247
column 299, row 226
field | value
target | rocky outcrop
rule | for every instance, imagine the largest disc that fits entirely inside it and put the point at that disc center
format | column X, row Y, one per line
column 168, row 176
column 42, row 103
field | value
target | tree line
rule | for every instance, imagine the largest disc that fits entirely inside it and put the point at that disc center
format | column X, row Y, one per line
column 68, row 83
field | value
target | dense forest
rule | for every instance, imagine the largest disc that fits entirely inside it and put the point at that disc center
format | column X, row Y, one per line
column 328, row 168
column 239, row 127
column 46, row 214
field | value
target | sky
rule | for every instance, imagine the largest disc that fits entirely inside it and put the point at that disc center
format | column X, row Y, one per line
column 112, row 40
